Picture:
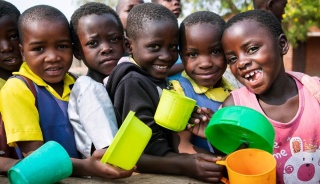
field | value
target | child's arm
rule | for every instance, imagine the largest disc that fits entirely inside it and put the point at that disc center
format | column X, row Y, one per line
column 6, row 164
column 199, row 166
column 199, row 120
column 228, row 102
column 93, row 167
column 182, row 143
column 83, row 167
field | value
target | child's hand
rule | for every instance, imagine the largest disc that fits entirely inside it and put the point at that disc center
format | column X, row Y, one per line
column 203, row 167
column 105, row 170
column 199, row 120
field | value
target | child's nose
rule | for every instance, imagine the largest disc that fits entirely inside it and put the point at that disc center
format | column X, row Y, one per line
column 52, row 57
column 205, row 62
column 106, row 48
column 5, row 46
column 165, row 56
column 243, row 63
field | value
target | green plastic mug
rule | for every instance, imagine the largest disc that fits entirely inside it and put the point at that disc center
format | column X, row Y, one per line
column 174, row 110
column 48, row 164
column 128, row 144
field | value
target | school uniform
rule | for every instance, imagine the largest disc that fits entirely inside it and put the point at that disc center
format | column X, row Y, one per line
column 40, row 118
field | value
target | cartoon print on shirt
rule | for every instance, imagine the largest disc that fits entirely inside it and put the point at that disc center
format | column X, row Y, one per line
column 304, row 164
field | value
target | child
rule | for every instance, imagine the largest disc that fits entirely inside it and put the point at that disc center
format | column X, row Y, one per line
column 90, row 109
column 152, row 32
column 47, row 48
column 203, row 58
column 175, row 7
column 275, row 7
column 254, row 44
column 10, row 60
column 124, row 7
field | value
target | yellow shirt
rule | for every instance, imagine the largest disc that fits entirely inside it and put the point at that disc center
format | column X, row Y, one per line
column 2, row 82
column 17, row 106
column 218, row 94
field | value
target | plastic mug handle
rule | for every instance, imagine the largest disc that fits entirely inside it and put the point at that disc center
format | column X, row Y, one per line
column 223, row 179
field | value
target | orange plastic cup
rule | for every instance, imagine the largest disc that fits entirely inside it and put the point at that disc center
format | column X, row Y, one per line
column 250, row 166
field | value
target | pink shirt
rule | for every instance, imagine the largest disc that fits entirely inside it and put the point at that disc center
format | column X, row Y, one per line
column 296, row 146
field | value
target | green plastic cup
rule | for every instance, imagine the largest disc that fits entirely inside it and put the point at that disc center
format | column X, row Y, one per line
column 231, row 126
column 48, row 164
column 128, row 144
column 174, row 110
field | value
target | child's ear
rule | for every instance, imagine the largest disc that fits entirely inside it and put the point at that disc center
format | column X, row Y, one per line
column 21, row 51
column 283, row 43
column 126, row 45
column 129, row 45
column 269, row 4
column 76, row 52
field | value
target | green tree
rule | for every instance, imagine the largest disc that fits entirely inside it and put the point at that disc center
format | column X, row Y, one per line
column 300, row 15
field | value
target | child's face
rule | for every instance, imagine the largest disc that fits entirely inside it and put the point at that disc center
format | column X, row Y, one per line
column 254, row 55
column 173, row 5
column 101, row 42
column 155, row 48
column 202, row 54
column 47, row 48
column 124, row 9
column 278, row 8
column 10, row 57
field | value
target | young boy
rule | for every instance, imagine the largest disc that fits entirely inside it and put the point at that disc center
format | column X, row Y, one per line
column 10, row 57
column 175, row 7
column 152, row 32
column 254, row 44
column 203, row 58
column 10, row 61
column 47, row 48
column 124, row 7
column 276, row 7
column 98, row 41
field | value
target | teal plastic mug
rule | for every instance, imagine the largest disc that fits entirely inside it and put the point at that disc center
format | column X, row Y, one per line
column 174, row 110
column 48, row 164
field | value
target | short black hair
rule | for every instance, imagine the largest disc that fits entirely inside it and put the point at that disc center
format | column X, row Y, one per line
column 267, row 20
column 89, row 9
column 147, row 12
column 7, row 8
column 40, row 13
column 198, row 18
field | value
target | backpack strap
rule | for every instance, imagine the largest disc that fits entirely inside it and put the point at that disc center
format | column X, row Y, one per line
column 311, row 83
column 30, row 85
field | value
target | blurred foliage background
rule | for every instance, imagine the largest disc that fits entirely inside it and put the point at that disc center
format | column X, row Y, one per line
column 300, row 15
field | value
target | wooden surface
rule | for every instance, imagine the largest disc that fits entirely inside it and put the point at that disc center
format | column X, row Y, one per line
column 135, row 178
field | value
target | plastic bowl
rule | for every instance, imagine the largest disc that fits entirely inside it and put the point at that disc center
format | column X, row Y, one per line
column 231, row 126
column 174, row 110
column 128, row 144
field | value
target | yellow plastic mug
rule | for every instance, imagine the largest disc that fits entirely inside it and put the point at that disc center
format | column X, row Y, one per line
column 174, row 110
column 250, row 166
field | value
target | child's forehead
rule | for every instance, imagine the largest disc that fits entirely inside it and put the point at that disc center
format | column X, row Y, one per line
column 8, row 19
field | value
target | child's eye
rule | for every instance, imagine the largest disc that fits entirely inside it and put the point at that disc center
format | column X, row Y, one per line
column 252, row 49
column 92, row 43
column 154, row 47
column 38, row 49
column 63, row 46
column 192, row 54
column 231, row 60
column 174, row 47
column 115, row 39
column 14, row 37
column 216, row 51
